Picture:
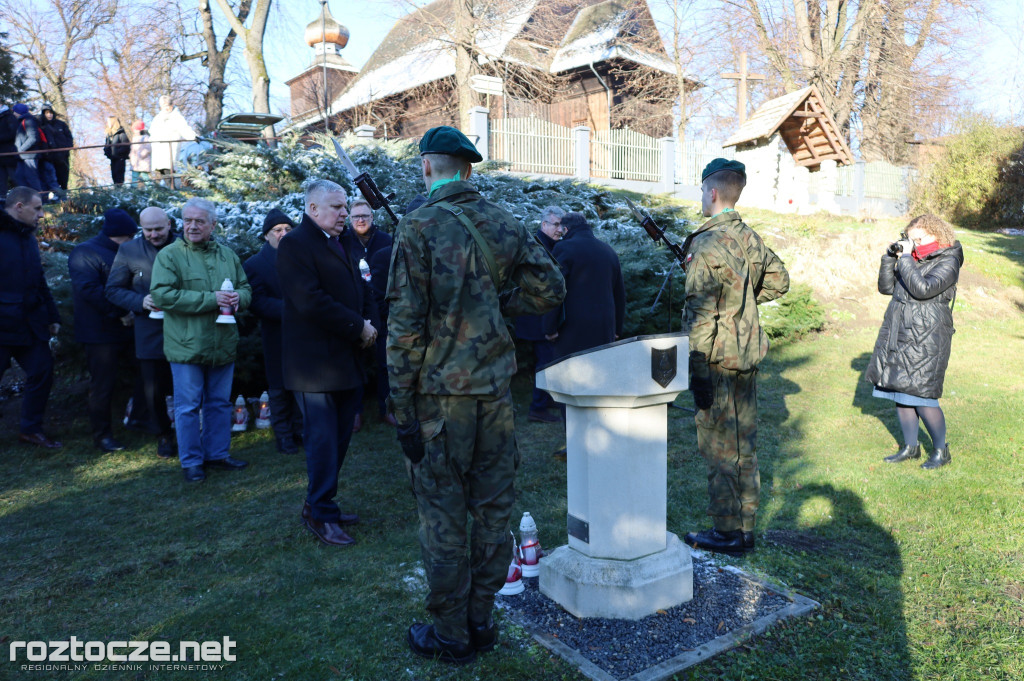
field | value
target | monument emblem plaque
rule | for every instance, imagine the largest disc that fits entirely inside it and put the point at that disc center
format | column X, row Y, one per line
column 663, row 365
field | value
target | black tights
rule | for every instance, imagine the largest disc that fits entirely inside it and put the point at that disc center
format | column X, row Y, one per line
column 933, row 419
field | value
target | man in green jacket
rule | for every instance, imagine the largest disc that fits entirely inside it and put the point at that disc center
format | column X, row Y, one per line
column 459, row 263
column 187, row 284
column 729, row 271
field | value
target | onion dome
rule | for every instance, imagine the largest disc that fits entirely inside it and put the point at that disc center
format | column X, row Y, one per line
column 326, row 29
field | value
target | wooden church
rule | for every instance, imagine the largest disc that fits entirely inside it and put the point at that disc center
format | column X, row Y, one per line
column 588, row 62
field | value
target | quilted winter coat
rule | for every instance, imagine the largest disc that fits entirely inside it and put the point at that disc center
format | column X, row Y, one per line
column 912, row 349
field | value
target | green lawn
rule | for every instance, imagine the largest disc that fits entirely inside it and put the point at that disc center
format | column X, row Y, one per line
column 920, row 574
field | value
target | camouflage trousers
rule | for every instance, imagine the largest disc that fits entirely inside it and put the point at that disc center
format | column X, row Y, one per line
column 726, row 437
column 468, row 473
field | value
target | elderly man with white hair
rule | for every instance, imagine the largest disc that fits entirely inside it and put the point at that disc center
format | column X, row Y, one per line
column 187, row 285
column 329, row 317
column 128, row 288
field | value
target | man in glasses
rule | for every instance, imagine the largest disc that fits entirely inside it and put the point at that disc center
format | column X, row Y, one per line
column 531, row 328
column 362, row 240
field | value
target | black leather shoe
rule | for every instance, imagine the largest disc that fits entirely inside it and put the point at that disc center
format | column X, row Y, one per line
column 109, row 444
column 719, row 542
column 329, row 533
column 193, row 473
column 939, row 458
column 165, row 448
column 227, row 464
column 39, row 440
column 906, row 452
column 483, row 637
column 748, row 541
column 344, row 519
column 426, row 642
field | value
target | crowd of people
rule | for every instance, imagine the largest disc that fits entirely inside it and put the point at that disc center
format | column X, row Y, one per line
column 335, row 295
column 35, row 151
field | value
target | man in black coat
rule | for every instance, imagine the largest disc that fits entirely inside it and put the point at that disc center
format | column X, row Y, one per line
column 329, row 317
column 59, row 134
column 363, row 240
column 595, row 298
column 8, row 160
column 128, row 288
column 102, row 327
column 531, row 328
column 28, row 315
column 268, row 305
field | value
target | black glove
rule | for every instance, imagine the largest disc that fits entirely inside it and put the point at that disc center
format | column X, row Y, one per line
column 700, row 380
column 895, row 248
column 412, row 441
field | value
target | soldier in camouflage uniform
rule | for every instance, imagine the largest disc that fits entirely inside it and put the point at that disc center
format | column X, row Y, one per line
column 459, row 263
column 729, row 271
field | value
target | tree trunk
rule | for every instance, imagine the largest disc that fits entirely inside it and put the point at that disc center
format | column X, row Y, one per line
column 464, row 38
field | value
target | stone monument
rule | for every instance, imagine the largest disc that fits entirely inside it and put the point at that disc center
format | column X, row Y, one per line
column 620, row 561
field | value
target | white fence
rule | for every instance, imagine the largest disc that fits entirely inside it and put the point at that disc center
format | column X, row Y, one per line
column 625, row 154
column 693, row 155
column 627, row 158
column 532, row 145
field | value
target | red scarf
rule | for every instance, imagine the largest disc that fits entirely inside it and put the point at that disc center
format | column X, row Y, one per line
column 922, row 252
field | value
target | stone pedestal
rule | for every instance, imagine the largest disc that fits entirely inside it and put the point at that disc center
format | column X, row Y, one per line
column 620, row 562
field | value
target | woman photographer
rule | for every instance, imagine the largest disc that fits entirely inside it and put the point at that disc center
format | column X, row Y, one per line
column 909, row 361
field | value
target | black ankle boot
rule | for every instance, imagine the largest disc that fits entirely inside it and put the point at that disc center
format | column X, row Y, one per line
column 939, row 458
column 906, row 452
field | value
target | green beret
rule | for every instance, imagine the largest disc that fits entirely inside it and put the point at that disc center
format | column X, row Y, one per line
column 723, row 164
column 447, row 140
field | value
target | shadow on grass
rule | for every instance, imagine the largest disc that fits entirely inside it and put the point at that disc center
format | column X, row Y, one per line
column 884, row 410
column 820, row 540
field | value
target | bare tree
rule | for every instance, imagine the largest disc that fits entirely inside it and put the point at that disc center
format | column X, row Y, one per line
column 866, row 57
column 51, row 42
column 253, row 38
column 216, row 61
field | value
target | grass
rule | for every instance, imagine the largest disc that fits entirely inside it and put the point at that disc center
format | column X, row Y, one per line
column 921, row 574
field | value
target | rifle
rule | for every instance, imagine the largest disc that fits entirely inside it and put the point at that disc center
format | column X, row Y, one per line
column 367, row 187
column 658, row 234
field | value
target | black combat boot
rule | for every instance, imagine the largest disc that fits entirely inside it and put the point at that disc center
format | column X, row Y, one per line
column 483, row 636
column 940, row 457
column 426, row 642
column 720, row 542
column 906, row 452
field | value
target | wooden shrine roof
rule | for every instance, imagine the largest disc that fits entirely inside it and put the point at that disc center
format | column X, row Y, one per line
column 805, row 125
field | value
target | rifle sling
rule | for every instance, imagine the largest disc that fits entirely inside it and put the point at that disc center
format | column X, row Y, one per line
column 492, row 266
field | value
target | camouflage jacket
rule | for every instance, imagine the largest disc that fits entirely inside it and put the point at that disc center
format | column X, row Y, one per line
column 729, row 271
column 446, row 334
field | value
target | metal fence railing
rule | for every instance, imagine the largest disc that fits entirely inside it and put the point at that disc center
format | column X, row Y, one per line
column 882, row 180
column 532, row 145
column 625, row 154
column 693, row 155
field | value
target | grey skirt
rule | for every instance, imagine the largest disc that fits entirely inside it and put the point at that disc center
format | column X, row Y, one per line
column 905, row 400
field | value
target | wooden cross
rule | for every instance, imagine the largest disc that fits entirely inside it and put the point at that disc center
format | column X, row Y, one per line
column 741, row 86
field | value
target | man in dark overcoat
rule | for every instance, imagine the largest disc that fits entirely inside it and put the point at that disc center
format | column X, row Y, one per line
column 363, row 240
column 268, row 306
column 531, row 327
column 128, row 288
column 28, row 315
column 328, row 318
column 102, row 327
column 595, row 298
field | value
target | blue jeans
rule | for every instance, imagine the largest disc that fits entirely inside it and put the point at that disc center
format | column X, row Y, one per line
column 208, row 389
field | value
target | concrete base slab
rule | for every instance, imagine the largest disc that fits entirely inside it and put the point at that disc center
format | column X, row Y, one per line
column 618, row 589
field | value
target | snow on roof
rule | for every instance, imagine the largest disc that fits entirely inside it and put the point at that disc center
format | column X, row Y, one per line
column 597, row 35
column 427, row 57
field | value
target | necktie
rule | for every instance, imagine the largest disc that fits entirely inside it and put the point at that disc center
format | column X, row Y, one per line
column 336, row 243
